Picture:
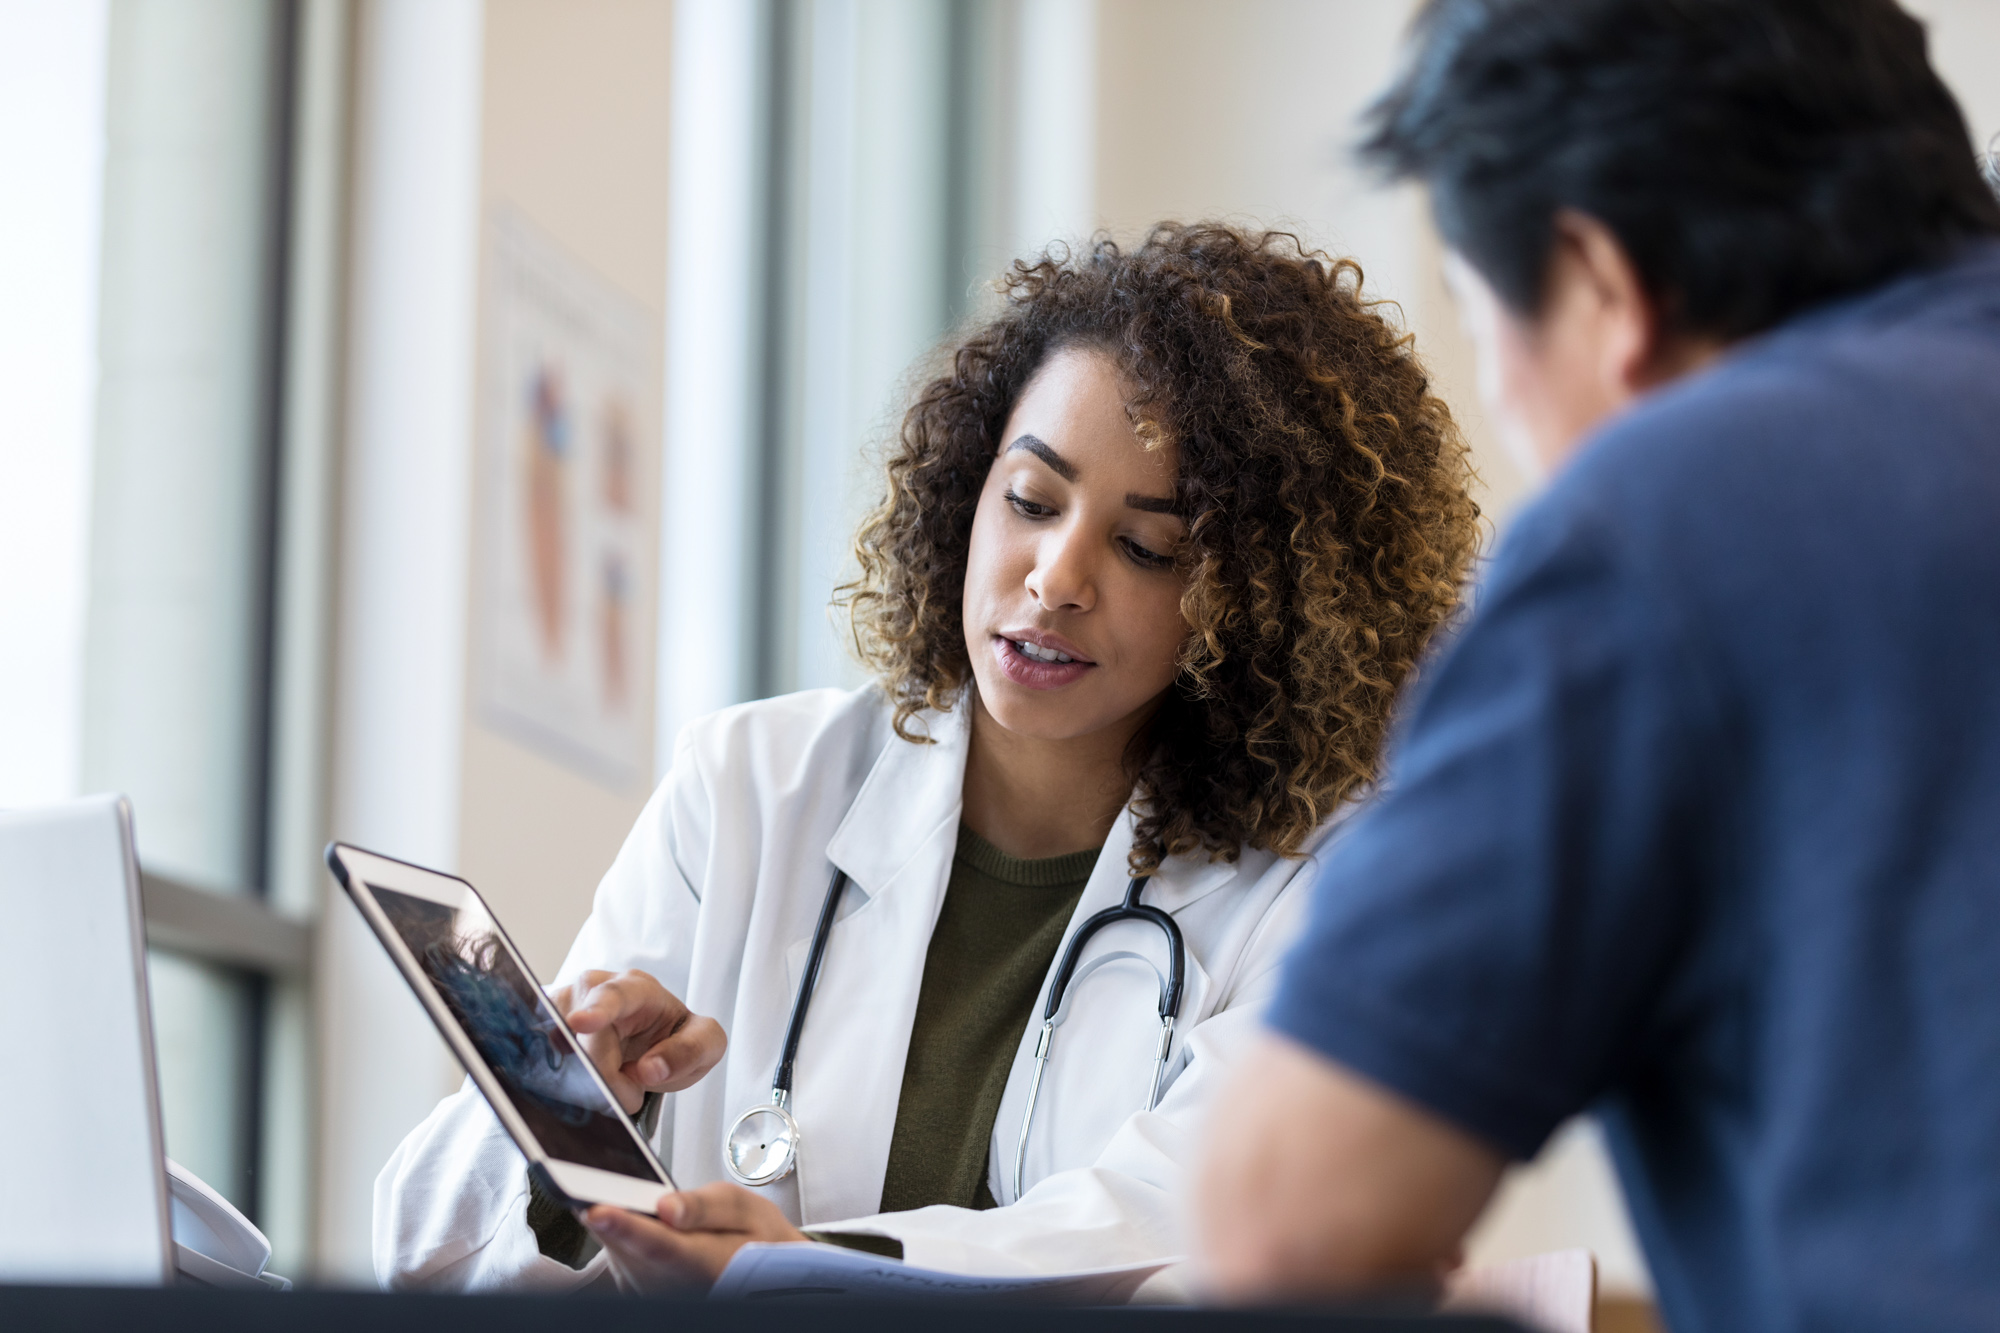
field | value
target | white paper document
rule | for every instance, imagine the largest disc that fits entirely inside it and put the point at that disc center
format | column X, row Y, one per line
column 775, row 1272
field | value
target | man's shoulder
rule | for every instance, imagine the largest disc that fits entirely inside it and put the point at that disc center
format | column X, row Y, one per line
column 1797, row 429
column 1839, row 471
column 1911, row 353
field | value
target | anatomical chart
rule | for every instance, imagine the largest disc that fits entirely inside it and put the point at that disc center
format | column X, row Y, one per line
column 564, row 573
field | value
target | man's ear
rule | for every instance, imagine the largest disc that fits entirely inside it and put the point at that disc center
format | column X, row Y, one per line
column 1636, row 350
column 1627, row 319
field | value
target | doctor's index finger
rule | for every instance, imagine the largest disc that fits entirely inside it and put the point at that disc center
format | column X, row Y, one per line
column 629, row 1001
column 572, row 998
column 681, row 1058
column 608, row 1055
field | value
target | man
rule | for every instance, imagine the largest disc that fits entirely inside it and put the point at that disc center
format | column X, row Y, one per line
column 1697, row 823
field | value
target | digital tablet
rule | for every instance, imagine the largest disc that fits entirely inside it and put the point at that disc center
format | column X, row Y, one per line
column 518, row 1049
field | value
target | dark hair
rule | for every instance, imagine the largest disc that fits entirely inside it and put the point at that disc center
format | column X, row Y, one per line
column 1324, row 488
column 1754, row 156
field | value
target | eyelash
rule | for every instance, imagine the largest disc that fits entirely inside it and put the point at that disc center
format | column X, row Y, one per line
column 1142, row 557
column 1022, row 507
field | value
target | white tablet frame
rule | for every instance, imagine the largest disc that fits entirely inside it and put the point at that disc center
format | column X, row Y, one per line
column 359, row 870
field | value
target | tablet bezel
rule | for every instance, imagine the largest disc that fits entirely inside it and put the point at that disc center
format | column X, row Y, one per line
column 580, row 1185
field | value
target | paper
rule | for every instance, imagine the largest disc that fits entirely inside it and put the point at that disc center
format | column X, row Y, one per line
column 777, row 1272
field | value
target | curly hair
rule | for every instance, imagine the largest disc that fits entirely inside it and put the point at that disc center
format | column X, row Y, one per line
column 1322, row 482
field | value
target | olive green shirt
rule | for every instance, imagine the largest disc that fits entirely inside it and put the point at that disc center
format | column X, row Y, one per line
column 996, row 937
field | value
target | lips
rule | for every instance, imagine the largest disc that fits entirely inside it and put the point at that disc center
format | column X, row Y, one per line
column 1038, row 660
column 1046, row 645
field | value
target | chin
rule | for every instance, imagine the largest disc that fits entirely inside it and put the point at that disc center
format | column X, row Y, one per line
column 1037, row 715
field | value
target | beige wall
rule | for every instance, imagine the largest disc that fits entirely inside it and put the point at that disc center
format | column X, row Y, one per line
column 574, row 139
column 1247, row 113
column 1965, row 47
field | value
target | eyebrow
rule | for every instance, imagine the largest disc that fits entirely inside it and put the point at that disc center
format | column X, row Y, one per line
column 1062, row 467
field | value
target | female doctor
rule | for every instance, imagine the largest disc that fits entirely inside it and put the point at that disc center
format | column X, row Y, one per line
column 1158, row 547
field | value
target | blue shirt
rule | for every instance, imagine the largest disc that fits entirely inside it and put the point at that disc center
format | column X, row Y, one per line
column 1697, row 823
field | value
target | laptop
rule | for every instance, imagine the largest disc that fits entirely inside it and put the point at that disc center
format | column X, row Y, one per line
column 82, row 1157
column 87, row 1193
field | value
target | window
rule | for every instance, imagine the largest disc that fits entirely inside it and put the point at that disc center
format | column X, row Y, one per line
column 205, row 605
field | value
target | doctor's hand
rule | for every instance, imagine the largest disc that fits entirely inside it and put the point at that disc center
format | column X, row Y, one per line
column 699, row 1231
column 638, row 1034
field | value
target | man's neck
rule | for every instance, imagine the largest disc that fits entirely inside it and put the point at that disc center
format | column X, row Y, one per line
column 1037, row 798
column 1676, row 357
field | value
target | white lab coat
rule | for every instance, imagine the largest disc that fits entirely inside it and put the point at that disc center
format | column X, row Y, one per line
column 716, row 892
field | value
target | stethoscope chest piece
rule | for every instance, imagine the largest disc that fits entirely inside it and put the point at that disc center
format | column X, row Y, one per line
column 763, row 1145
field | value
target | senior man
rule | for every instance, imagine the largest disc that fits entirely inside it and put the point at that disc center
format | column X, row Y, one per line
column 1697, row 822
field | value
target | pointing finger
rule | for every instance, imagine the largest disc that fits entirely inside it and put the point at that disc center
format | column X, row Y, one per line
column 581, row 998
column 682, row 1058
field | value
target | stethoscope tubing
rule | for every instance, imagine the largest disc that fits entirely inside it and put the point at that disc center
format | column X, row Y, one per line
column 781, row 1080
column 779, row 1107
column 1053, row 1010
column 1053, row 1013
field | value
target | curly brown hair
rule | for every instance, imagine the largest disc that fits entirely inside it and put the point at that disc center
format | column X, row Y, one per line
column 1324, row 489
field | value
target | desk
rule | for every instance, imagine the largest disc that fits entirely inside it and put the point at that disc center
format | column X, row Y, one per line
column 186, row 1310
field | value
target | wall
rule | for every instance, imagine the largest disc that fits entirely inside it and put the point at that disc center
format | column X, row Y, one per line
column 1251, row 120
column 574, row 141
column 1965, row 48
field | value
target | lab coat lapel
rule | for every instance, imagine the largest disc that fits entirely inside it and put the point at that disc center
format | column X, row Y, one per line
column 1180, row 882
column 896, row 846
column 1183, row 881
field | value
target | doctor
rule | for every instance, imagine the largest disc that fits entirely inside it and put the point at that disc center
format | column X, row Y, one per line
column 1158, row 547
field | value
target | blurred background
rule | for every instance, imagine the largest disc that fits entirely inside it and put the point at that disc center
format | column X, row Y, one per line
column 419, row 409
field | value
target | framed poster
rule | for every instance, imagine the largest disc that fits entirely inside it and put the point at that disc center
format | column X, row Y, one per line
column 565, row 574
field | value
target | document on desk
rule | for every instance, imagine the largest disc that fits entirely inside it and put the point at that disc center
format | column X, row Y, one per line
column 777, row 1272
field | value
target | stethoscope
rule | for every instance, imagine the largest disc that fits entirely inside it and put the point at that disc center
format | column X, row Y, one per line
column 762, row 1146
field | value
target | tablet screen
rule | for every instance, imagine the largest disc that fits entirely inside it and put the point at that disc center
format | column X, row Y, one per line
column 516, row 1031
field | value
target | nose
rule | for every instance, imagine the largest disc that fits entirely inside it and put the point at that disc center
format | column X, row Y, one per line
column 1064, row 577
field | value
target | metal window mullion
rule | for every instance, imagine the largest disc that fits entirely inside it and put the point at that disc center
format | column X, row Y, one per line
column 235, row 931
